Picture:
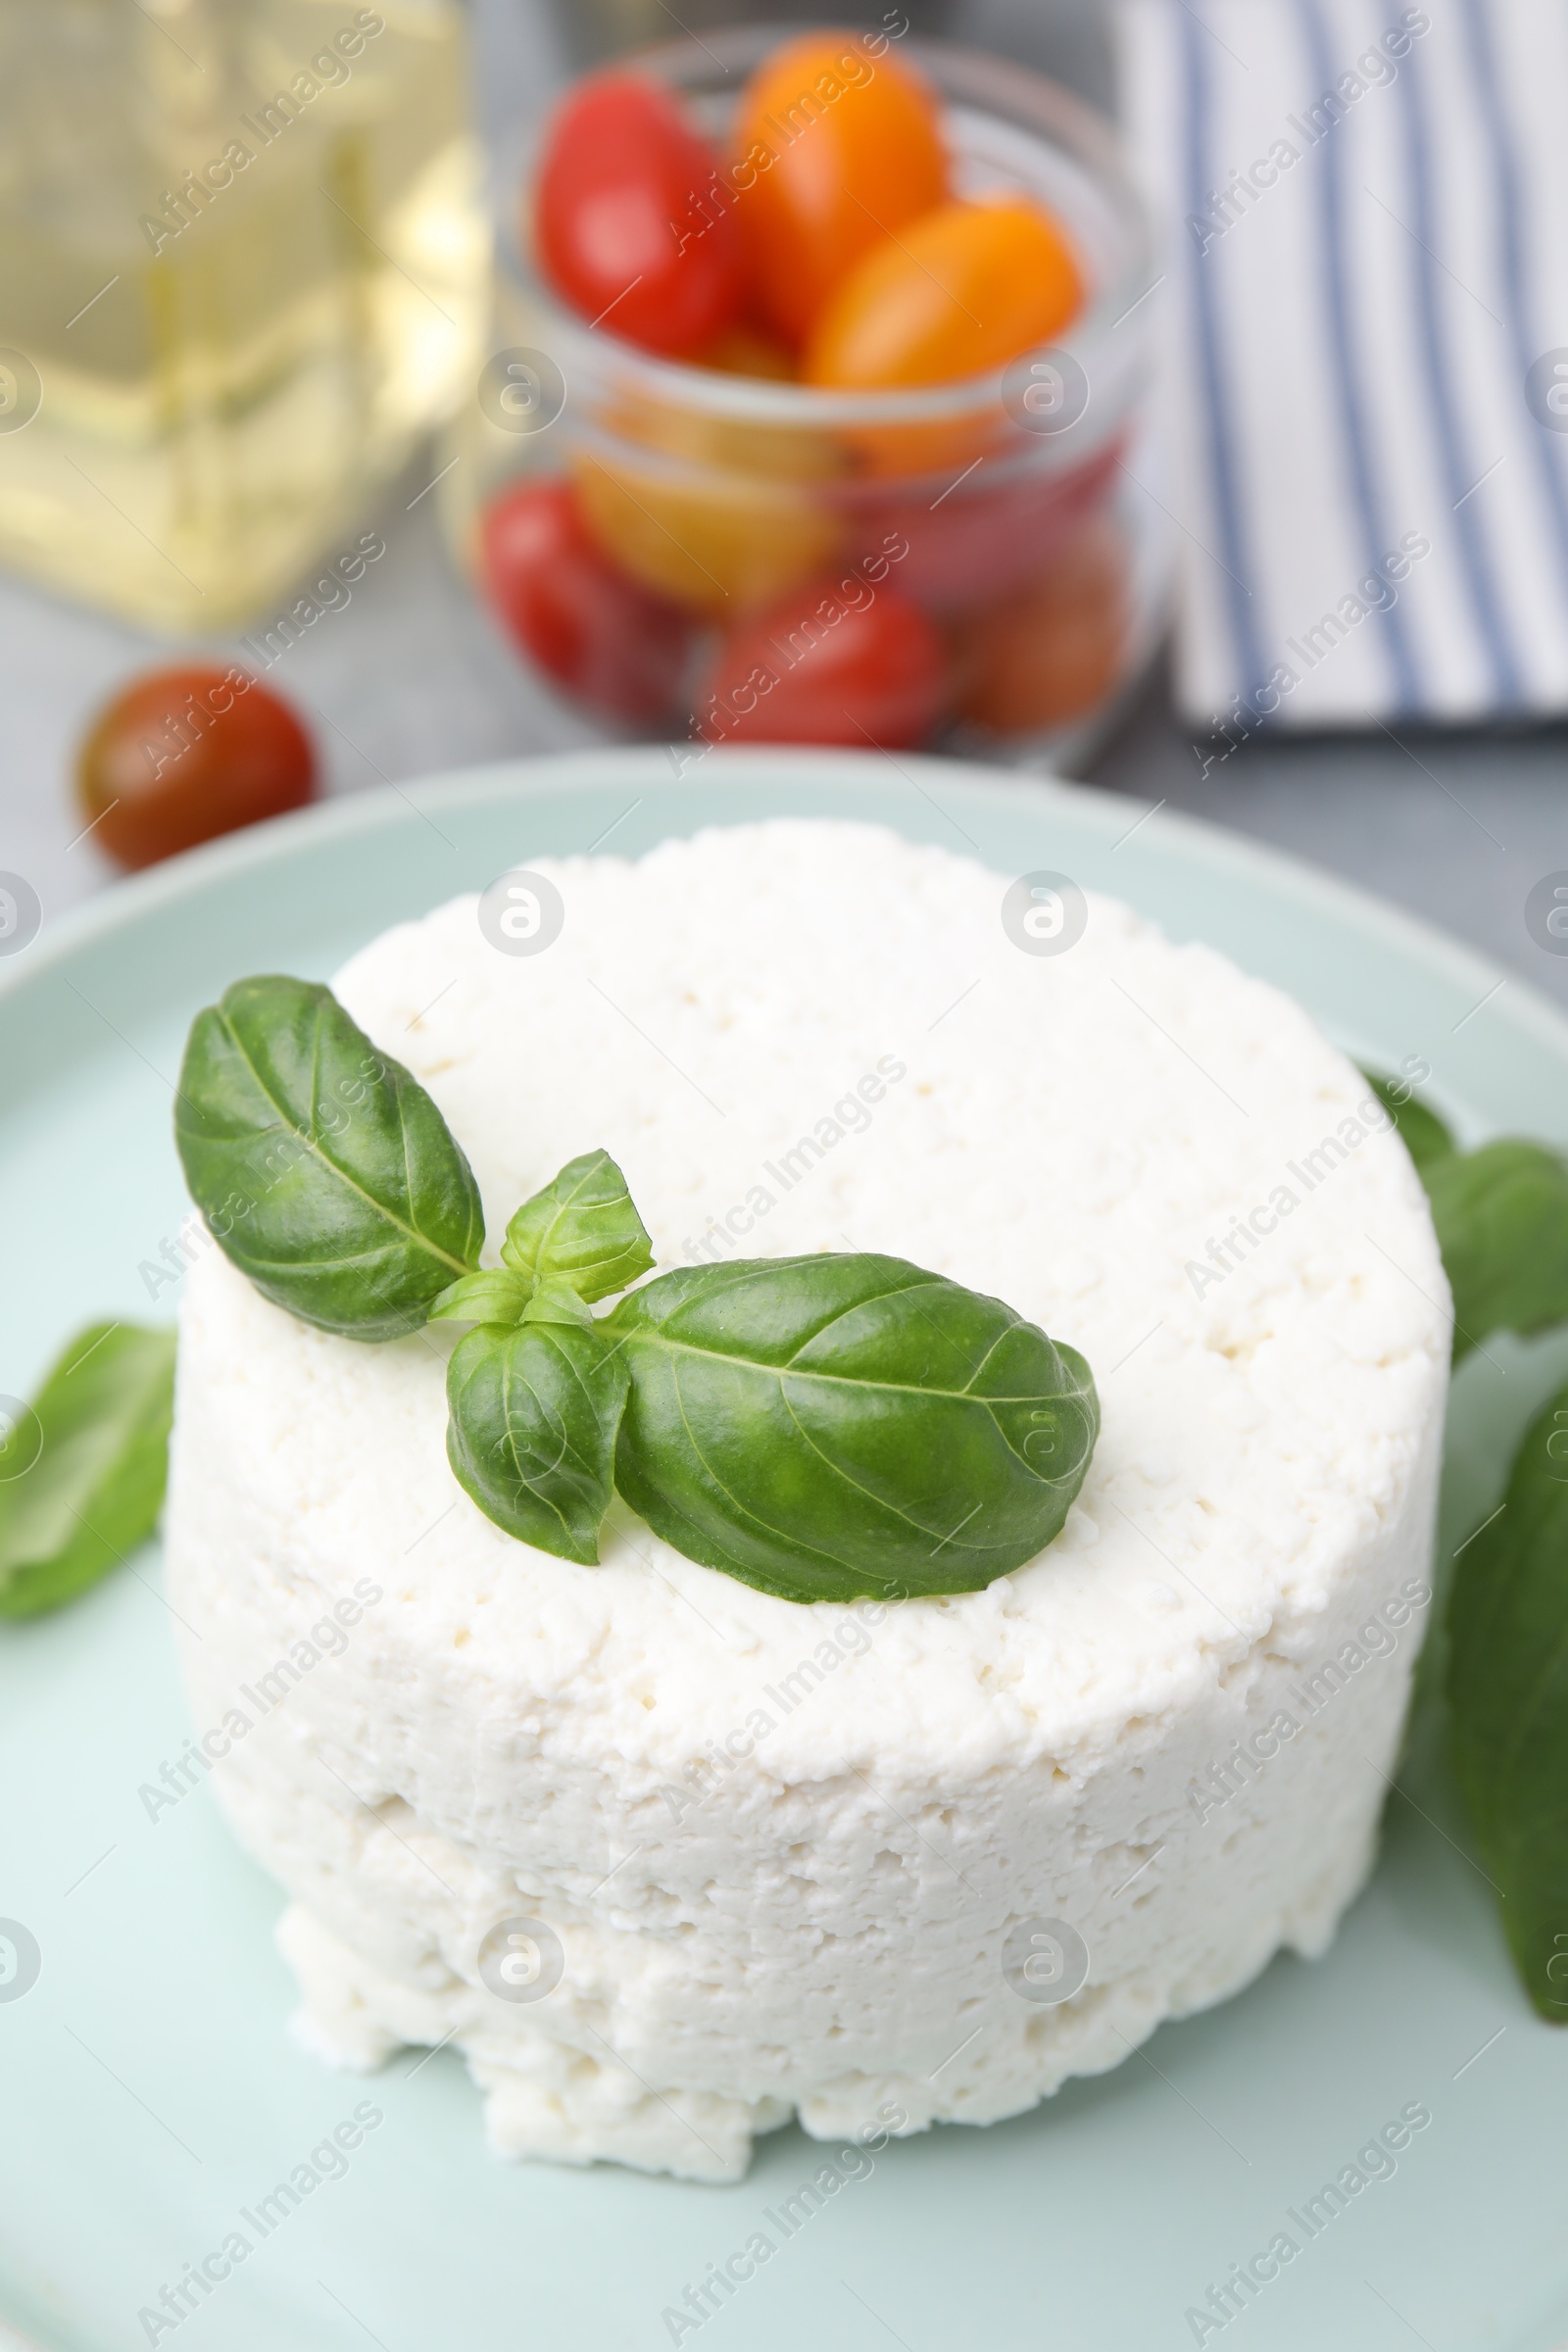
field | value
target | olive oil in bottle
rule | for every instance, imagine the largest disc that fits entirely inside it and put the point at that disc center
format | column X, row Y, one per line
column 243, row 265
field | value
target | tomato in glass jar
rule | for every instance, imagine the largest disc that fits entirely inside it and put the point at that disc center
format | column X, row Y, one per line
column 185, row 754
column 839, row 661
column 746, row 350
column 835, row 151
column 1051, row 653
column 715, row 544
column 605, row 639
column 990, row 534
column 627, row 225
column 957, row 293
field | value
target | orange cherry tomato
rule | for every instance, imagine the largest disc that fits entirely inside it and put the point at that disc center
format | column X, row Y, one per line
column 835, row 151
column 1054, row 651
column 960, row 292
column 183, row 754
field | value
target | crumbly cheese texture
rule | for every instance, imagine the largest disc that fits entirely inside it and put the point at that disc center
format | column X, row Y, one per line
column 782, row 1849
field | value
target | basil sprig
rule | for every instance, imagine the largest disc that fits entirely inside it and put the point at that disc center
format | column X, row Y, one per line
column 818, row 1427
column 1508, row 1693
column 1501, row 1219
column 829, row 1427
column 321, row 1166
column 82, row 1472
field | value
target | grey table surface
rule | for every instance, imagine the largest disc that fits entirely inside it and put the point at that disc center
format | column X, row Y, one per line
column 412, row 676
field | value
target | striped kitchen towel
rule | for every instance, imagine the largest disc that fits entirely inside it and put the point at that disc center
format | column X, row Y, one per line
column 1365, row 218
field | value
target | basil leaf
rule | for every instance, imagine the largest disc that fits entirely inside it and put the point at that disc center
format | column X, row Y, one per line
column 1501, row 1219
column 81, row 1481
column 1421, row 1131
column 1509, row 1690
column 581, row 1229
column 323, row 1169
column 1501, row 1215
column 559, row 1302
column 827, row 1427
column 495, row 1296
column 577, row 1240
column 531, row 1438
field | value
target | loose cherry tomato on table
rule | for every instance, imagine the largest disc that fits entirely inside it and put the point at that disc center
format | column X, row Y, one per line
column 1054, row 650
column 615, row 225
column 834, row 152
column 601, row 636
column 183, row 754
column 819, row 668
column 960, row 292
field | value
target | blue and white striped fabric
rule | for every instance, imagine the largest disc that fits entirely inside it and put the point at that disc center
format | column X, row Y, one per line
column 1365, row 209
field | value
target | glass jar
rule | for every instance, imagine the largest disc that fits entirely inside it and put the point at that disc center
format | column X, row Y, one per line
column 1002, row 504
column 592, row 30
column 243, row 267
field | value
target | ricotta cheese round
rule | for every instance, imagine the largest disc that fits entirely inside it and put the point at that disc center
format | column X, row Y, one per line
column 669, row 1859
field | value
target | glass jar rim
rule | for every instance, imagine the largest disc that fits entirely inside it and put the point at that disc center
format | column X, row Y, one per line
column 1028, row 99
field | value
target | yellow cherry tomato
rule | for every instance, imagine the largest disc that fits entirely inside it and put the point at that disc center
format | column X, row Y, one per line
column 746, row 350
column 714, row 544
column 957, row 294
column 835, row 150
column 730, row 445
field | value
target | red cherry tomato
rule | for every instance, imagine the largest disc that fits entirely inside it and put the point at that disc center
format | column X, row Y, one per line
column 605, row 640
column 819, row 668
column 968, row 550
column 185, row 754
column 627, row 229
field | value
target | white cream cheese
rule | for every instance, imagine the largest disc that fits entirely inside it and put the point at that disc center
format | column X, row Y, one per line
column 792, row 1859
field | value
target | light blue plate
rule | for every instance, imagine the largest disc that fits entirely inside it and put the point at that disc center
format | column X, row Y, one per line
column 148, row 2089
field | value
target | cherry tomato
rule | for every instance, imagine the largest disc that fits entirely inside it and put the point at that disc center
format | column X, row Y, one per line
column 627, row 231
column 681, row 506
column 987, row 537
column 183, row 754
column 599, row 635
column 835, row 152
column 1051, row 653
column 717, row 545
column 960, row 292
column 748, row 351
column 838, row 663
